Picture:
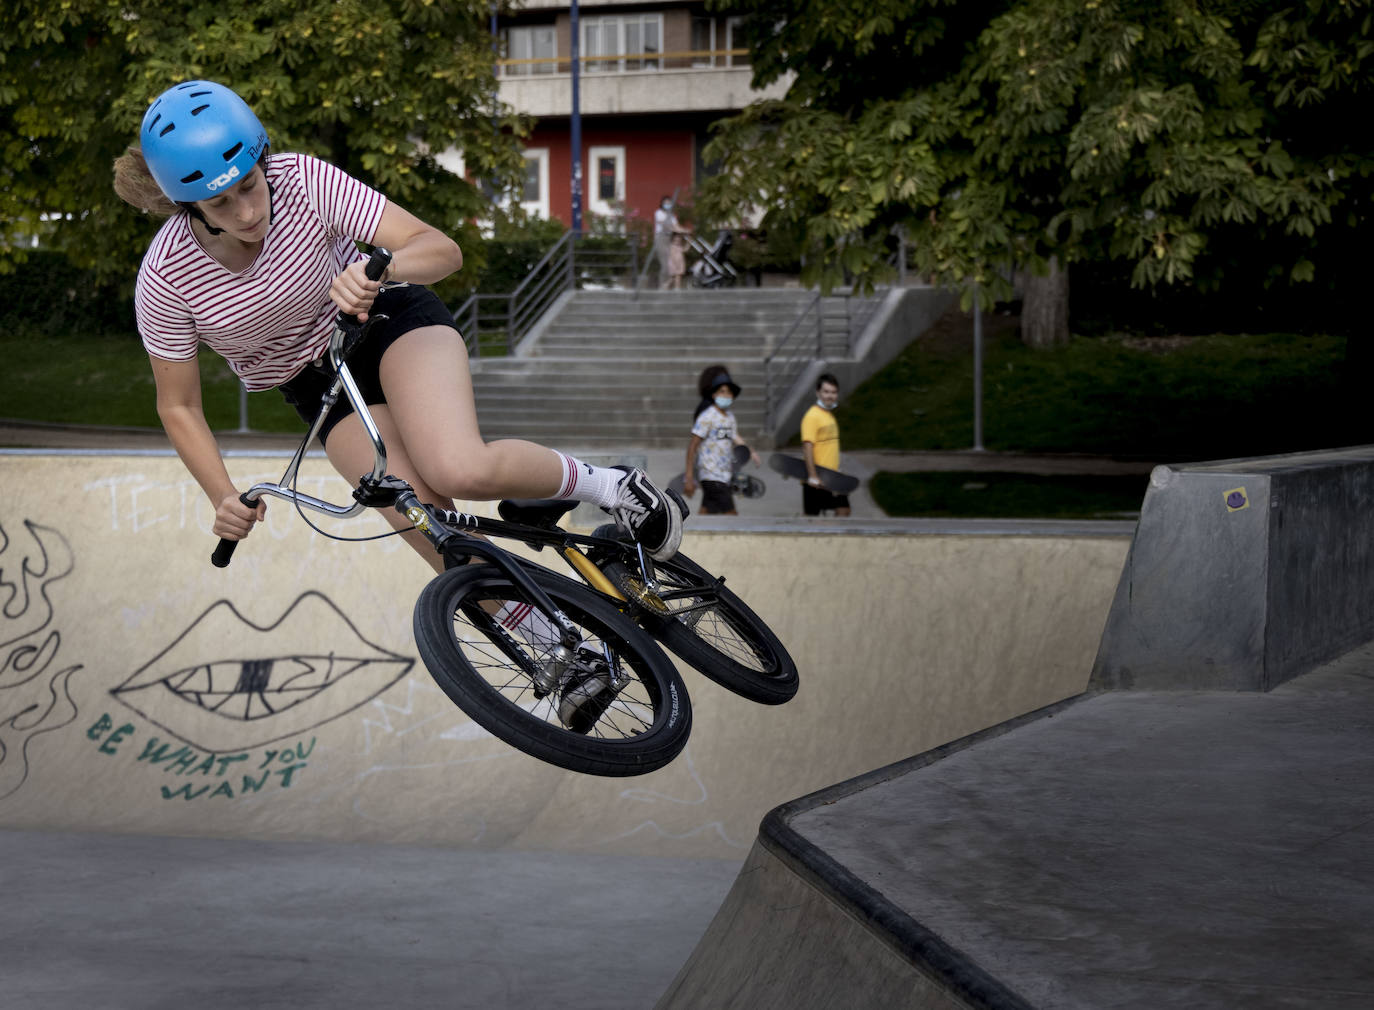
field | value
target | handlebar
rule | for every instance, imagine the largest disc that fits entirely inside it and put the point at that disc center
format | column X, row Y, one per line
column 343, row 323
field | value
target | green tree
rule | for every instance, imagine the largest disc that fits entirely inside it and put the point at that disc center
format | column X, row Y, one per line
column 1183, row 139
column 379, row 87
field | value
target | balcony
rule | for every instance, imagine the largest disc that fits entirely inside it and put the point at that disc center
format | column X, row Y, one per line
column 627, row 83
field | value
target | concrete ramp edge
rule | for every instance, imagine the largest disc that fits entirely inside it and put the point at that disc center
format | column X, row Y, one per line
column 799, row 930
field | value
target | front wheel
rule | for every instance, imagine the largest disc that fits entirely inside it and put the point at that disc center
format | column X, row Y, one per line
column 710, row 628
column 613, row 706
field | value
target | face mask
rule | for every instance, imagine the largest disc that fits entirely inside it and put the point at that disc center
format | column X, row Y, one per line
column 827, row 406
column 724, row 401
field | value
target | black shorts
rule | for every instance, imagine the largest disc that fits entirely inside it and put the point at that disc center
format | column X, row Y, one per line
column 818, row 499
column 407, row 308
column 716, row 498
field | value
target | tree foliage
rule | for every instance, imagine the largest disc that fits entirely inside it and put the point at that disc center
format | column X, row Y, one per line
column 1183, row 139
column 377, row 87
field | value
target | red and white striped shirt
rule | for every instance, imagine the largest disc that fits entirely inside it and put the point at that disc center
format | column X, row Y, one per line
column 272, row 318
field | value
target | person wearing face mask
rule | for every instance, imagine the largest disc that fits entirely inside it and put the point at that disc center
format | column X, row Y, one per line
column 711, row 448
column 258, row 253
column 820, row 434
column 666, row 226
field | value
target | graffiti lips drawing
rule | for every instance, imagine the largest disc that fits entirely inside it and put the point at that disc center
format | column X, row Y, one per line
column 227, row 684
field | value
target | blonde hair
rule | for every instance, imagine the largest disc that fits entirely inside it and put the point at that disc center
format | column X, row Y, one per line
column 136, row 186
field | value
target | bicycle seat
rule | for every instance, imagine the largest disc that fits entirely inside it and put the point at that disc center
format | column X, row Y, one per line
column 541, row 512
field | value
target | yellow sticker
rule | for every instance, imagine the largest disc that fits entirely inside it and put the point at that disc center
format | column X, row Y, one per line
column 1236, row 499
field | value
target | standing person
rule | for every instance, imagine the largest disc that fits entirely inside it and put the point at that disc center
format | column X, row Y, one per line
column 677, row 261
column 820, row 434
column 665, row 227
column 257, row 255
column 715, row 433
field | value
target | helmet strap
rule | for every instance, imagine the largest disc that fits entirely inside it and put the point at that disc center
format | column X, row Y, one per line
column 195, row 212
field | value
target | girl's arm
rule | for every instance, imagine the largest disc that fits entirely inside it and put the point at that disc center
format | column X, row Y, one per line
column 419, row 254
column 183, row 418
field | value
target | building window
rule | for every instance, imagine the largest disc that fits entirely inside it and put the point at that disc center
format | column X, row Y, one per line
column 535, row 197
column 734, row 39
column 703, row 42
column 612, row 44
column 529, row 43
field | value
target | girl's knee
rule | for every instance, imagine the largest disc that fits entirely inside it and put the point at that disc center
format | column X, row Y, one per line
column 473, row 477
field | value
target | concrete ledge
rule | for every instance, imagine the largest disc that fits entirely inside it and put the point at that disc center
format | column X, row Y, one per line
column 848, row 944
column 1244, row 573
column 1151, row 850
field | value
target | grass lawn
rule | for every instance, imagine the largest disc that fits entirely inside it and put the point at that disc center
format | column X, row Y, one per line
column 107, row 380
column 1170, row 399
column 993, row 495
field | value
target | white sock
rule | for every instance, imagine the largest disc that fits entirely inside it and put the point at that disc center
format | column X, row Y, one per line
column 532, row 625
column 584, row 482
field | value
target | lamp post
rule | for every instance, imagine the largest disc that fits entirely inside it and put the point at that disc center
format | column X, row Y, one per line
column 977, row 373
column 575, row 140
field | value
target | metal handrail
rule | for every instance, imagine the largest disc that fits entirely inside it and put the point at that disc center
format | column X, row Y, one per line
column 506, row 319
column 804, row 343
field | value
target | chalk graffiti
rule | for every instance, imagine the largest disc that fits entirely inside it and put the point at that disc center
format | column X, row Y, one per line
column 219, row 774
column 227, row 684
column 34, row 695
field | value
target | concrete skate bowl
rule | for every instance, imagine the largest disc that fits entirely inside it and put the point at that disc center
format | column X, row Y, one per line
column 907, row 636
column 1191, row 832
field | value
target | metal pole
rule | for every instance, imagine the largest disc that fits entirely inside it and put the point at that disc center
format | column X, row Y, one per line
column 243, row 408
column 977, row 374
column 576, row 127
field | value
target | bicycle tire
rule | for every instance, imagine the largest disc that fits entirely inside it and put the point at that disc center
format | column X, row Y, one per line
column 484, row 670
column 711, row 629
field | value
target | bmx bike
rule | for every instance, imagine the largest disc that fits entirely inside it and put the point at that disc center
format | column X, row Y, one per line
column 593, row 691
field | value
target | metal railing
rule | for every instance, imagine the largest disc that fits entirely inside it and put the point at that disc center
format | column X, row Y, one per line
column 642, row 60
column 823, row 331
column 495, row 324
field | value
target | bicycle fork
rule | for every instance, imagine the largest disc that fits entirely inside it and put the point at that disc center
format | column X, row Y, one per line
column 401, row 496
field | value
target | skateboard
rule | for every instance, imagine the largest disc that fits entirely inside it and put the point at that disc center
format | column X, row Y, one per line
column 792, row 466
column 740, row 483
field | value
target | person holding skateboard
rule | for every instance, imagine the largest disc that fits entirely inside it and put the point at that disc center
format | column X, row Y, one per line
column 820, row 434
column 711, row 449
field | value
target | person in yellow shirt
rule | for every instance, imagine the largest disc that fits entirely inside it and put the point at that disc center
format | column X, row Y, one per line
column 820, row 434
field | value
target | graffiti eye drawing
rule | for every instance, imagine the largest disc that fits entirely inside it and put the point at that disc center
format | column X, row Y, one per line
column 228, row 684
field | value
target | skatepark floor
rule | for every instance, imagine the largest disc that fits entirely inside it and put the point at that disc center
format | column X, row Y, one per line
column 148, row 922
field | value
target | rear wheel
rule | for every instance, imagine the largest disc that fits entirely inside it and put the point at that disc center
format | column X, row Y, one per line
column 710, row 628
column 613, row 706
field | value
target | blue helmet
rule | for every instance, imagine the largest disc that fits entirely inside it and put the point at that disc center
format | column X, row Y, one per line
column 199, row 139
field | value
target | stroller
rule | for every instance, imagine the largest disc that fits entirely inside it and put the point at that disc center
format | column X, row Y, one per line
column 713, row 268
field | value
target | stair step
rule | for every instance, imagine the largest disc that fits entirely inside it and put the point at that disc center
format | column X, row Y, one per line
column 613, row 369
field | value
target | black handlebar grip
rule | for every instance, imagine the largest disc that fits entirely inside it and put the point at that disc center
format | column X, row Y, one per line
column 224, row 553
column 377, row 264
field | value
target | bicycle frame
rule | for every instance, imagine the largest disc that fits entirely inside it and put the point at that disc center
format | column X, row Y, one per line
column 376, row 489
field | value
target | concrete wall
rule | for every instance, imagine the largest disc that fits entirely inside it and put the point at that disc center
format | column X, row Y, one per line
column 117, row 640
column 1243, row 574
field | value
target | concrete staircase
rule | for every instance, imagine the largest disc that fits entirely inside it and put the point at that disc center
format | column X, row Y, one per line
column 610, row 370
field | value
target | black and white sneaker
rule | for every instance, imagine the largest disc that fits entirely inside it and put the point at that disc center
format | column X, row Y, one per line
column 587, row 693
column 653, row 517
